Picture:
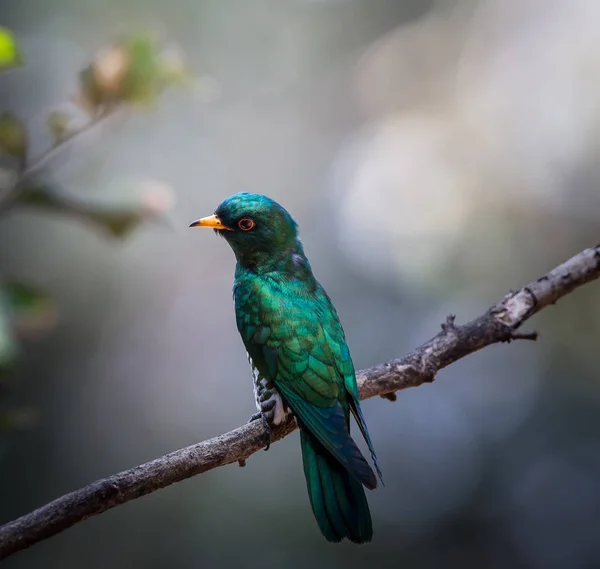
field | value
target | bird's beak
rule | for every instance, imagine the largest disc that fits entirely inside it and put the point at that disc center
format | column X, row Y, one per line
column 210, row 221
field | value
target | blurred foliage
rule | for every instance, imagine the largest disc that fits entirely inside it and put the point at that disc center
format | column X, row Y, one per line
column 134, row 70
column 114, row 220
column 13, row 136
column 58, row 125
column 131, row 72
column 8, row 344
column 31, row 311
column 10, row 54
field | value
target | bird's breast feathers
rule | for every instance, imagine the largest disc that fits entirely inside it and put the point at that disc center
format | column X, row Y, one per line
column 295, row 340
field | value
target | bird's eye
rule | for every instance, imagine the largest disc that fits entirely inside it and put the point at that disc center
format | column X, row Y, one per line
column 245, row 224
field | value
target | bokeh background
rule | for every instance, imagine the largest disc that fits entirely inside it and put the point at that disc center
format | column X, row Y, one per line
column 436, row 155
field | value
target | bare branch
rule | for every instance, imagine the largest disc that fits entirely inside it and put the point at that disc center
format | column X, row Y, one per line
column 454, row 342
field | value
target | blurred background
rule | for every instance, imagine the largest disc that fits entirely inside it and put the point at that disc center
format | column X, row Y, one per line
column 435, row 154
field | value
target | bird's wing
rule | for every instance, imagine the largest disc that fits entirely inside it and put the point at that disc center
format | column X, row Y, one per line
column 296, row 341
column 346, row 370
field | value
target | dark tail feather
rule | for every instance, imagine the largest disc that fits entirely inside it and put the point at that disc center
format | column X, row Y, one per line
column 358, row 416
column 338, row 500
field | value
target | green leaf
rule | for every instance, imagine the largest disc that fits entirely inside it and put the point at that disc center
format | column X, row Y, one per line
column 143, row 81
column 31, row 311
column 10, row 54
column 13, row 135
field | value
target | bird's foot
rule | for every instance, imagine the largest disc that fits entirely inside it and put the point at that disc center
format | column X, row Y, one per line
column 266, row 427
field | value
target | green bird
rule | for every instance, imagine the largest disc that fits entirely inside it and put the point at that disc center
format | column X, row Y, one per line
column 300, row 359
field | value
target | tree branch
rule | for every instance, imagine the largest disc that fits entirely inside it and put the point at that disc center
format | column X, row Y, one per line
column 498, row 324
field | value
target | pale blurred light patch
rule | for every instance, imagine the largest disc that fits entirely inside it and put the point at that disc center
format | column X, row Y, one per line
column 151, row 197
column 482, row 118
column 414, row 66
column 206, row 89
column 527, row 92
column 156, row 197
column 325, row 1
column 403, row 199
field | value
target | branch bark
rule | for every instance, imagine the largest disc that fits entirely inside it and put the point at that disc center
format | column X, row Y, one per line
column 499, row 324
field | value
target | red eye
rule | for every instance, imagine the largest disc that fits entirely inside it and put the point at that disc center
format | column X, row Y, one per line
column 245, row 224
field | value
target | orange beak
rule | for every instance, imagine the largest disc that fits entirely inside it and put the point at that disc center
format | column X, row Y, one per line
column 211, row 221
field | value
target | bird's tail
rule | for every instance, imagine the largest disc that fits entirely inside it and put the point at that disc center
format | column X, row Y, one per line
column 338, row 500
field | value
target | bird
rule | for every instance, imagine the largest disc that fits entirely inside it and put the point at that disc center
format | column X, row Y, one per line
column 300, row 359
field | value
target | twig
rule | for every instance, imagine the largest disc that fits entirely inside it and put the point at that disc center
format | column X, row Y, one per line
column 26, row 170
column 498, row 324
column 53, row 150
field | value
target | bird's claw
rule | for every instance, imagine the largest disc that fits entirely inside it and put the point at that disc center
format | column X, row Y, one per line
column 266, row 427
column 254, row 417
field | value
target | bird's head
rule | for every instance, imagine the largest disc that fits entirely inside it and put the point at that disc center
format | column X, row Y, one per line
column 255, row 226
